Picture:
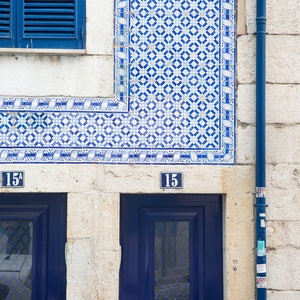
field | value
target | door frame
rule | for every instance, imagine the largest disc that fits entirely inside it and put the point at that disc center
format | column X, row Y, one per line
column 48, row 212
column 132, row 204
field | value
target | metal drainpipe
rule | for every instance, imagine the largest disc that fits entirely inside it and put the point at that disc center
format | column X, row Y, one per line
column 261, row 273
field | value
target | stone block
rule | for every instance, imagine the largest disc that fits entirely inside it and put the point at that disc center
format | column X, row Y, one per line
column 245, row 146
column 196, row 179
column 283, row 189
column 282, row 16
column 246, row 59
column 81, row 280
column 283, row 269
column 283, row 143
column 282, row 59
column 251, row 16
column 108, row 273
column 56, row 178
column 237, row 181
column 81, row 215
column 286, row 295
column 246, row 102
column 283, row 62
column 239, row 275
column 241, row 26
column 107, row 210
column 234, row 181
column 281, row 233
column 282, row 103
column 132, row 178
column 239, row 221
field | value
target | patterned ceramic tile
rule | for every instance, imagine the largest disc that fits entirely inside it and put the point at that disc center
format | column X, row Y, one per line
column 174, row 95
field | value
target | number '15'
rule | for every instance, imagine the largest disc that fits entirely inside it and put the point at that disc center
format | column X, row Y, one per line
column 171, row 180
column 13, row 180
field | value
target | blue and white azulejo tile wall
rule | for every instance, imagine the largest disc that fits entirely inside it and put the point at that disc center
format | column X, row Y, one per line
column 174, row 95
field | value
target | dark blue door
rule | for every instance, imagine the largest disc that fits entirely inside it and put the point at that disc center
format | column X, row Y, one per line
column 32, row 246
column 171, row 247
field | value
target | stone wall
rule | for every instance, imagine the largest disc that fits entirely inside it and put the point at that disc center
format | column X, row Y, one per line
column 283, row 144
column 93, row 250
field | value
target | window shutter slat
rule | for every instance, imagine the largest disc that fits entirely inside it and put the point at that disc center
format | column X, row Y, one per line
column 52, row 24
column 49, row 19
column 50, row 4
column 5, row 19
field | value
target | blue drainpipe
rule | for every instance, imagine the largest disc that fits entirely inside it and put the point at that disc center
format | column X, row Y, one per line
column 261, row 273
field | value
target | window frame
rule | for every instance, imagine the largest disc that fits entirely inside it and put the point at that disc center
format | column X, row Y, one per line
column 16, row 38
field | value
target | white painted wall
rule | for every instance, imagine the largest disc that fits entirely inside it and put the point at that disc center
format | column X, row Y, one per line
column 90, row 74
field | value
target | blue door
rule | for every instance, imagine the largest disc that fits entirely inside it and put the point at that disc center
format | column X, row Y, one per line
column 32, row 246
column 171, row 247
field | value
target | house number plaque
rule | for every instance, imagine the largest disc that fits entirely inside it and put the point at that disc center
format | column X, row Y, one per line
column 171, row 180
column 12, row 179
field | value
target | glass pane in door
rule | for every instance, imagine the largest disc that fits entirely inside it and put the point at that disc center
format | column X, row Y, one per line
column 16, row 259
column 171, row 261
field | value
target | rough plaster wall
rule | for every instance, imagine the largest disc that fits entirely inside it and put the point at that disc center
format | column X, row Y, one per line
column 50, row 74
column 283, row 137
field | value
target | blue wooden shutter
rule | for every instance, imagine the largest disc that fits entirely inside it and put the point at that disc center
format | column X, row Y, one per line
column 7, row 30
column 51, row 24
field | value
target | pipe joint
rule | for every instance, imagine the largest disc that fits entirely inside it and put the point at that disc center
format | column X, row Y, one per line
column 261, row 205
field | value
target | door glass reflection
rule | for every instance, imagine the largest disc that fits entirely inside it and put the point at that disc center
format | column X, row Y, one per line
column 172, row 261
column 16, row 259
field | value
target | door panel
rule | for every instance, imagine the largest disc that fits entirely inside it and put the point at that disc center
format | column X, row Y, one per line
column 168, row 235
column 171, row 247
column 32, row 241
column 171, row 260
